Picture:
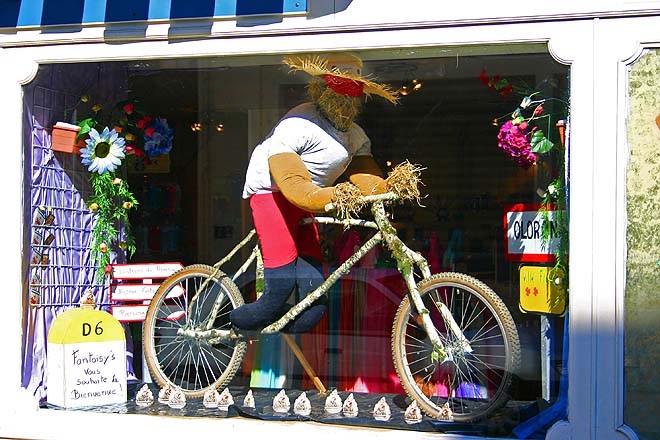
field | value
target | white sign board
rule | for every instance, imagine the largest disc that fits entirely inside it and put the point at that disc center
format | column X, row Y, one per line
column 140, row 292
column 523, row 228
column 86, row 360
column 144, row 270
column 130, row 313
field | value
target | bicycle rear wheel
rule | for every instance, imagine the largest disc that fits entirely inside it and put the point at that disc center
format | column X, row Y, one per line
column 475, row 383
column 174, row 355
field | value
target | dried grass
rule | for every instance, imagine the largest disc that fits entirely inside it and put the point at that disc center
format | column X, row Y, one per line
column 348, row 200
column 340, row 109
column 404, row 181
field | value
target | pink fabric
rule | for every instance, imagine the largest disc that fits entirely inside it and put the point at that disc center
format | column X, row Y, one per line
column 373, row 370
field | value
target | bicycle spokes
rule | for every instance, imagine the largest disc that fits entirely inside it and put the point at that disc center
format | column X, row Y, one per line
column 475, row 376
column 184, row 331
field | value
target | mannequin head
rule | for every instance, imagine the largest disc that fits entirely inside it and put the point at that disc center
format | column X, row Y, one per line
column 338, row 87
column 341, row 110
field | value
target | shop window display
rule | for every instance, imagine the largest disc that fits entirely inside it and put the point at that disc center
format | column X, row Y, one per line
column 190, row 210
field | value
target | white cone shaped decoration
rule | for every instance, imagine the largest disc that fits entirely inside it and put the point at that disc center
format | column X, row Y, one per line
column 333, row 403
column 248, row 401
column 164, row 394
column 211, row 397
column 412, row 414
column 225, row 400
column 144, row 397
column 302, row 406
column 281, row 402
column 446, row 414
column 350, row 408
column 382, row 410
column 177, row 399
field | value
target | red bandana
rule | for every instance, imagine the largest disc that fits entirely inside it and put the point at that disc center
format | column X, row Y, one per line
column 344, row 86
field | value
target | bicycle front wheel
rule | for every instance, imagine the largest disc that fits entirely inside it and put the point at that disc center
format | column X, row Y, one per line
column 476, row 381
column 175, row 352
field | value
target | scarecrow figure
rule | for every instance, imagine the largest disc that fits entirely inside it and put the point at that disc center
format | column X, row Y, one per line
column 290, row 176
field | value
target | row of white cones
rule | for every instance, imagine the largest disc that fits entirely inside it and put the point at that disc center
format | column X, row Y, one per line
column 175, row 398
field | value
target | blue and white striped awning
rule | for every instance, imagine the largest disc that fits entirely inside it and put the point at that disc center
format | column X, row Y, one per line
column 40, row 13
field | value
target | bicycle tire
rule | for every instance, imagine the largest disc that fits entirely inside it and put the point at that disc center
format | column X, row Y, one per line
column 475, row 384
column 194, row 365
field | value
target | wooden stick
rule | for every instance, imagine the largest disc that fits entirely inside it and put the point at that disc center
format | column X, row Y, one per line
column 303, row 361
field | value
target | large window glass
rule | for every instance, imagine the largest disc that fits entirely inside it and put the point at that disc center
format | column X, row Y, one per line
column 641, row 326
column 484, row 132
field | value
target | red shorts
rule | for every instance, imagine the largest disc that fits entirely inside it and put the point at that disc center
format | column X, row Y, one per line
column 281, row 235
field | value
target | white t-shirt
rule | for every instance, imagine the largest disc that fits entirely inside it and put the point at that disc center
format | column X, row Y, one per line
column 325, row 151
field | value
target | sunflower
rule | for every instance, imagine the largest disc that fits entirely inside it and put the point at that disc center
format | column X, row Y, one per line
column 104, row 151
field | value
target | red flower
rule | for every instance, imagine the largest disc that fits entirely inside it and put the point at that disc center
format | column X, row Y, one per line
column 483, row 77
column 149, row 131
column 506, row 90
column 130, row 149
column 108, row 268
column 128, row 108
column 138, row 152
column 538, row 110
column 144, row 122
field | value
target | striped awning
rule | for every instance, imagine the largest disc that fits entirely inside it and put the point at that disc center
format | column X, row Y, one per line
column 43, row 13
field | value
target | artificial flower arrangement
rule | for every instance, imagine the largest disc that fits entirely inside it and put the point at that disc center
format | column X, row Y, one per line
column 146, row 136
column 107, row 143
column 522, row 138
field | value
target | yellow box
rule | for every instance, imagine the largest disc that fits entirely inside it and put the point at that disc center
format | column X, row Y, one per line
column 542, row 290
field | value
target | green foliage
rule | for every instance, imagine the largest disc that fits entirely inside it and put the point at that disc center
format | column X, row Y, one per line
column 556, row 195
column 112, row 199
column 540, row 143
column 85, row 126
column 111, row 204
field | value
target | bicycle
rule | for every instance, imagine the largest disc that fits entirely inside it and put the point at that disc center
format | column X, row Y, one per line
column 453, row 339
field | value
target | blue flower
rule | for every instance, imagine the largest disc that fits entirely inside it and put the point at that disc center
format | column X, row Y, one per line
column 104, row 151
column 158, row 138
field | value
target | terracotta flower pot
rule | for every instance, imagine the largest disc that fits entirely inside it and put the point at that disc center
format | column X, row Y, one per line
column 63, row 138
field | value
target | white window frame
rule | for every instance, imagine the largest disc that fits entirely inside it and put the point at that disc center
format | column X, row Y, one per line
column 597, row 44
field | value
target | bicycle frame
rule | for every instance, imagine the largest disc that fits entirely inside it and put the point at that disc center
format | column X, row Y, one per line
column 406, row 259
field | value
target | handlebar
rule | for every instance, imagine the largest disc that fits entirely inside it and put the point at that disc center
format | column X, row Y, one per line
column 384, row 197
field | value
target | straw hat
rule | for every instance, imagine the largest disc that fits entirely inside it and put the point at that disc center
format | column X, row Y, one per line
column 342, row 72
